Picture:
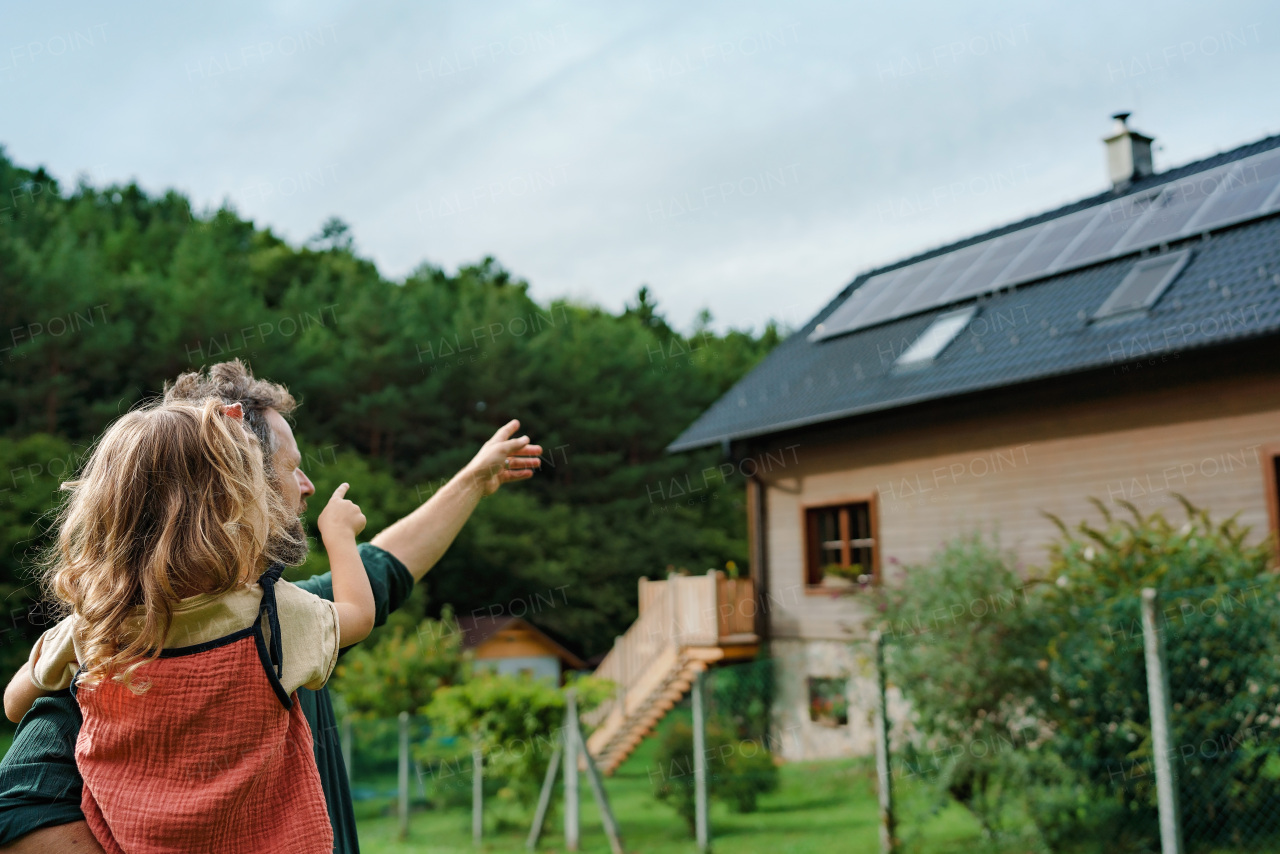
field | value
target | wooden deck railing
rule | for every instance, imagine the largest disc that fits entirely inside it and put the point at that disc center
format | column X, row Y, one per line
column 683, row 611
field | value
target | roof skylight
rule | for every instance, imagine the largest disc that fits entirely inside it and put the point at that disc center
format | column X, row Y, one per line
column 1143, row 284
column 935, row 339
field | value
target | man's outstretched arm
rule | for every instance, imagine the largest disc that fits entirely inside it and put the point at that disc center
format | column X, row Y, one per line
column 420, row 539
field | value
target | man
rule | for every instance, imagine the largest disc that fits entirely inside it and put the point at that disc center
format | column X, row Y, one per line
column 39, row 786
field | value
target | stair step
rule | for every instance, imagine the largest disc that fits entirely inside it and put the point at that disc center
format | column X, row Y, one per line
column 666, row 692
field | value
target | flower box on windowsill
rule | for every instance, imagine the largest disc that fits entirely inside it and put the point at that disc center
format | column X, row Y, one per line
column 841, row 581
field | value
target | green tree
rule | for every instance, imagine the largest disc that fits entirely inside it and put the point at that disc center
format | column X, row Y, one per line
column 402, row 671
column 513, row 720
column 106, row 292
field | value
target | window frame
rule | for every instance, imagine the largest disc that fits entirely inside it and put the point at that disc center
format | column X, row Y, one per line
column 964, row 315
column 1270, row 460
column 811, row 556
column 1179, row 258
column 843, row 693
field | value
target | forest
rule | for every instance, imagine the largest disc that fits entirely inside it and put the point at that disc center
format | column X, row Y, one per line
column 107, row 292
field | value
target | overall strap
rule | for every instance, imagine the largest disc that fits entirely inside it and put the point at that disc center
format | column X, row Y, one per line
column 268, row 609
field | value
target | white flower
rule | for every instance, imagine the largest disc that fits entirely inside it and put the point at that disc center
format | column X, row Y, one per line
column 1062, row 581
column 1088, row 552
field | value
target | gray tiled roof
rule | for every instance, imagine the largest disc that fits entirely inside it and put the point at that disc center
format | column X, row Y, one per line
column 1230, row 290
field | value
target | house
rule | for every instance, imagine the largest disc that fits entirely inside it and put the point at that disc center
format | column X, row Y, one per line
column 1125, row 347
column 513, row 646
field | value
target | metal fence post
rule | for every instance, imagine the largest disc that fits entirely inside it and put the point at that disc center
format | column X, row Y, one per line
column 345, row 737
column 700, row 764
column 404, row 775
column 888, row 828
column 597, row 790
column 1161, row 731
column 477, row 795
column 544, row 797
column 570, row 773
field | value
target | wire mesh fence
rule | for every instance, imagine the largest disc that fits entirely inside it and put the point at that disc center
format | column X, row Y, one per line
column 1073, row 768
column 1224, row 680
column 371, row 748
column 1076, row 767
column 738, row 756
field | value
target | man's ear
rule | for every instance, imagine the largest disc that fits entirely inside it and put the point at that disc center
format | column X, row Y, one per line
column 235, row 411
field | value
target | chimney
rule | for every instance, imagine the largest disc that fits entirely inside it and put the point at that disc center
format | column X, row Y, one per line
column 1128, row 153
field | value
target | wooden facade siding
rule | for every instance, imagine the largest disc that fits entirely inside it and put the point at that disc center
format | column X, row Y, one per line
column 935, row 482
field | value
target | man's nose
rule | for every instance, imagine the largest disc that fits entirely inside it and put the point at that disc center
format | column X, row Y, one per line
column 305, row 487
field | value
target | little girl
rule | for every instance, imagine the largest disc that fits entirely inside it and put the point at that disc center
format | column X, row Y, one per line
column 184, row 654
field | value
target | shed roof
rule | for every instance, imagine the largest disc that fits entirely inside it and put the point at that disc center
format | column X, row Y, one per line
column 477, row 631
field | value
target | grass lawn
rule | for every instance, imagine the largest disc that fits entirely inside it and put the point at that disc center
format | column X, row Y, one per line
column 820, row 807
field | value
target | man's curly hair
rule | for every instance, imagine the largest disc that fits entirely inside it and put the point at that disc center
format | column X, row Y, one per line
column 233, row 382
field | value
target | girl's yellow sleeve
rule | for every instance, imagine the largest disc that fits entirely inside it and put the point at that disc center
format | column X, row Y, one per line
column 54, row 662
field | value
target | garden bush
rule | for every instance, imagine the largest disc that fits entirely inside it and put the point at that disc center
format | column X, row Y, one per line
column 1222, row 639
column 1028, row 689
column 965, row 648
column 513, row 720
column 738, row 771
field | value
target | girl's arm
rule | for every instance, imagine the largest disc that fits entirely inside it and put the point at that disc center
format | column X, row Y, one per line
column 339, row 523
column 21, row 694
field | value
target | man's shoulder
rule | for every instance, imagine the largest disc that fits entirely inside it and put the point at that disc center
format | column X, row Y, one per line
column 383, row 568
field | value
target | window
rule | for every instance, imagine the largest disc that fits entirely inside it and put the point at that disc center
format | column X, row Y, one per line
column 841, row 546
column 1271, row 477
column 934, row 339
column 1144, row 284
column 828, row 701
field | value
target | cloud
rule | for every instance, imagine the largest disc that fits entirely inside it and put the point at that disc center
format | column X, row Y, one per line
column 746, row 158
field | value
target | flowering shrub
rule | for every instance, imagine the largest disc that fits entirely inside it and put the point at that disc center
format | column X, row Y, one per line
column 1029, row 691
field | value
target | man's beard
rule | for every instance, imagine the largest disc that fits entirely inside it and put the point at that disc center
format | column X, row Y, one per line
column 289, row 546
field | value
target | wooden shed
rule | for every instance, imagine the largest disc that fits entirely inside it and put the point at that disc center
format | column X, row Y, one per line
column 514, row 646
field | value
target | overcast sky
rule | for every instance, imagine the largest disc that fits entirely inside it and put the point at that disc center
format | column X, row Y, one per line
column 747, row 158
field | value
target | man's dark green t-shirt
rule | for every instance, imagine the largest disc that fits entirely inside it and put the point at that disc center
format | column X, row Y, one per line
column 40, row 786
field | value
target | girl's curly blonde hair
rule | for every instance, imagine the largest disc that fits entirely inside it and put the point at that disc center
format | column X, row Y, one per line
column 172, row 502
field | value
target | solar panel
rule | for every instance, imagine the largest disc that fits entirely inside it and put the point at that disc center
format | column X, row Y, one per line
column 1113, row 222
column 984, row 275
column 1178, row 203
column 881, row 306
column 930, row 289
column 1059, row 233
column 957, row 263
column 845, row 317
column 1177, row 209
column 909, row 284
column 1243, row 194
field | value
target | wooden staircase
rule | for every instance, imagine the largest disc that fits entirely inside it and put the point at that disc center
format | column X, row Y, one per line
column 686, row 624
